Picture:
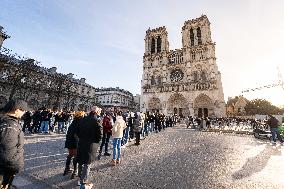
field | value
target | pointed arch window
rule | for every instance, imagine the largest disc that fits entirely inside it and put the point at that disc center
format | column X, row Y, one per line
column 153, row 80
column 195, row 76
column 159, row 80
column 153, row 45
column 203, row 76
column 199, row 36
column 191, row 35
column 201, row 55
column 159, row 44
column 193, row 55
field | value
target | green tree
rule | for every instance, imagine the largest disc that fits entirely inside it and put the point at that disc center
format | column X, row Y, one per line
column 261, row 106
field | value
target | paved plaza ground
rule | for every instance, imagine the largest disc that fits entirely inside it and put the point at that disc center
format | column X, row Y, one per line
column 175, row 158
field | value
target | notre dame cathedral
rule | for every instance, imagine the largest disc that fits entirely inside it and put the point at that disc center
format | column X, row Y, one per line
column 184, row 81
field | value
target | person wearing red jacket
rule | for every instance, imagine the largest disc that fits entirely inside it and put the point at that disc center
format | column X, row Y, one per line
column 107, row 126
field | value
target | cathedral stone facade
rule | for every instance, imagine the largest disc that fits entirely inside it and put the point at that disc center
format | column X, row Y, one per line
column 184, row 81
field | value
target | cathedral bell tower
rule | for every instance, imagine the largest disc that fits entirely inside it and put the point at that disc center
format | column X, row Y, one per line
column 196, row 32
column 156, row 41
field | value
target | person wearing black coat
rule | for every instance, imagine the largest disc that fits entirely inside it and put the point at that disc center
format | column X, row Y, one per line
column 89, row 134
column 11, row 141
column 273, row 124
column 45, row 120
column 27, row 117
column 71, row 144
column 158, row 124
column 36, row 121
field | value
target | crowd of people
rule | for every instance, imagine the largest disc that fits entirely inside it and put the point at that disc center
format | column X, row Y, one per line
column 88, row 134
column 230, row 122
column 83, row 140
column 271, row 124
column 45, row 120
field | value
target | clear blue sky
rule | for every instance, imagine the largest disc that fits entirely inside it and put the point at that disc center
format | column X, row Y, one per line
column 103, row 41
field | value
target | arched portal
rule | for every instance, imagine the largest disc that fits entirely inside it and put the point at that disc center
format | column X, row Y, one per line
column 154, row 105
column 203, row 106
column 177, row 104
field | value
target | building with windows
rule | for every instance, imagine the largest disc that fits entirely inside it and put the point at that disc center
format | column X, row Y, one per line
column 184, row 81
column 236, row 106
column 115, row 99
column 41, row 87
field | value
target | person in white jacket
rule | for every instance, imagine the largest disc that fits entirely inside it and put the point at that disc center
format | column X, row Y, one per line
column 117, row 134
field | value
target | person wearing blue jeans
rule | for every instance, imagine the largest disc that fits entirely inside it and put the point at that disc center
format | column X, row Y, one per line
column 117, row 134
column 146, row 131
column 275, row 132
column 116, row 148
column 44, row 126
column 61, row 126
column 45, row 119
column 125, row 136
column 273, row 124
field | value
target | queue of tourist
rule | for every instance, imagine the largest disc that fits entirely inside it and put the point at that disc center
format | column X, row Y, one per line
column 86, row 131
column 88, row 135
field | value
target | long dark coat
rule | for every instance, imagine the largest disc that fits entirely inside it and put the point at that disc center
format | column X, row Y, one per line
column 11, row 144
column 72, row 141
column 90, row 134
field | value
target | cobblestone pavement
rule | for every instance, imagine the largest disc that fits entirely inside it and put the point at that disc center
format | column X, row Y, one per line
column 175, row 158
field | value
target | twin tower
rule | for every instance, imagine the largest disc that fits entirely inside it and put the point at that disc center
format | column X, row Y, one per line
column 184, row 81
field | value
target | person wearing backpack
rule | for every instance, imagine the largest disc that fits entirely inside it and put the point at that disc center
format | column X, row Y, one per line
column 11, row 141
